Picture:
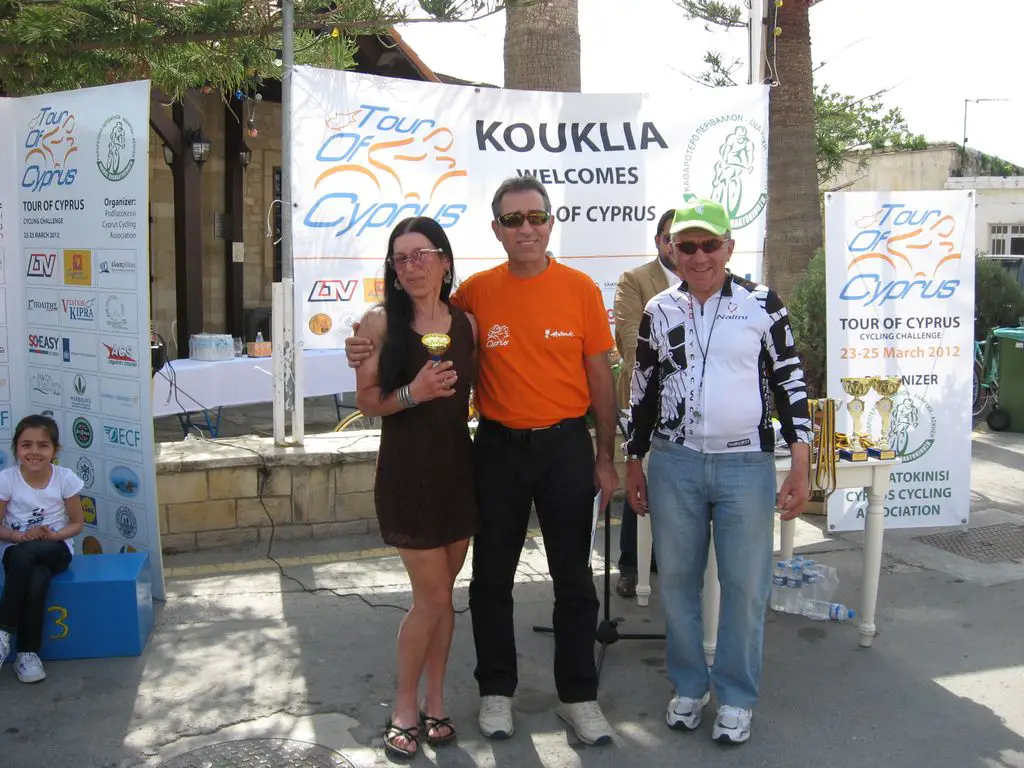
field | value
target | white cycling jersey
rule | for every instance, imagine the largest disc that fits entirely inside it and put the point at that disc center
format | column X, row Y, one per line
column 705, row 375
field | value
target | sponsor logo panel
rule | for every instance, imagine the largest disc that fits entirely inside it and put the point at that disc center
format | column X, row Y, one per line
column 122, row 439
column 78, row 310
column 118, row 356
column 78, row 351
column 118, row 312
column 45, row 386
column 120, row 398
column 42, row 308
column 81, row 391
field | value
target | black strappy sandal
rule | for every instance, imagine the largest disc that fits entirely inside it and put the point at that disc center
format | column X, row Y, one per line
column 433, row 723
column 393, row 732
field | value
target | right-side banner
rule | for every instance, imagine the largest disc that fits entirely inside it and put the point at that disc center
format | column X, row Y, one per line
column 900, row 305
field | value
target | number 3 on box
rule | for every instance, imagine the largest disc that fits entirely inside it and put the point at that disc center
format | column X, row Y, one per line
column 58, row 620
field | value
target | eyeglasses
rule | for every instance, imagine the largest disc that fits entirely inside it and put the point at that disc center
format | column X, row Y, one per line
column 516, row 219
column 689, row 247
column 416, row 257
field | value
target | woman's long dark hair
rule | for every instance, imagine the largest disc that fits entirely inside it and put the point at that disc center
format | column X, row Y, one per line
column 400, row 338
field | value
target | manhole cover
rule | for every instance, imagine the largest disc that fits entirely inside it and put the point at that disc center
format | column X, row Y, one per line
column 260, row 753
column 1000, row 543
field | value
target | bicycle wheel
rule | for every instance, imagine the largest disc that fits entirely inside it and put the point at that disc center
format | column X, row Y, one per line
column 981, row 392
column 357, row 420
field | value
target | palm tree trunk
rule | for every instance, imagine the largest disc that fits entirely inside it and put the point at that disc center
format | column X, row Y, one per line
column 542, row 46
column 794, row 212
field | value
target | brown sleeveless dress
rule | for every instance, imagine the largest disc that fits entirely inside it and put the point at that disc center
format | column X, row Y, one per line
column 424, row 490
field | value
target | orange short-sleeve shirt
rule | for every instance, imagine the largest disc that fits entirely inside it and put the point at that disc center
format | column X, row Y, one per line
column 533, row 335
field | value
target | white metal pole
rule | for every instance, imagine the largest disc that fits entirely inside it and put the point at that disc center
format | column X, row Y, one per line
column 755, row 40
column 277, row 334
column 285, row 394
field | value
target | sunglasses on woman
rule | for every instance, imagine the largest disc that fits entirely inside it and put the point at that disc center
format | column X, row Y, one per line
column 516, row 219
column 688, row 247
column 415, row 257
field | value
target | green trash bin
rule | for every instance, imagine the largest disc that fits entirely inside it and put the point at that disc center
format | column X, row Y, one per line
column 1010, row 413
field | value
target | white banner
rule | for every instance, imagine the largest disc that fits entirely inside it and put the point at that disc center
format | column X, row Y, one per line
column 75, row 244
column 900, row 288
column 371, row 151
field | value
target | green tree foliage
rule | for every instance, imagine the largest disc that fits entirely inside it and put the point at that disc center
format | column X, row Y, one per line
column 998, row 298
column 807, row 315
column 845, row 124
column 50, row 45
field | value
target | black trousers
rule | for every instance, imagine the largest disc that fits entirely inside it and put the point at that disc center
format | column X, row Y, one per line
column 28, row 568
column 554, row 470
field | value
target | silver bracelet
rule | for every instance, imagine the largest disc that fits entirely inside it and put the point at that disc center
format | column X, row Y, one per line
column 405, row 398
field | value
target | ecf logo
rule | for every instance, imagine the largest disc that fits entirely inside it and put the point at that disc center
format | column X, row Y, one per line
column 119, row 437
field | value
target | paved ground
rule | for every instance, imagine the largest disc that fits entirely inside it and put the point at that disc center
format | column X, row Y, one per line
column 242, row 652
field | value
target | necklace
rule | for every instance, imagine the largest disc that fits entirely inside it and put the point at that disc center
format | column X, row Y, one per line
column 704, row 350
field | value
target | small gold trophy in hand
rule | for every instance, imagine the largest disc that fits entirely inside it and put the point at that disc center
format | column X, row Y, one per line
column 886, row 386
column 437, row 344
column 856, row 387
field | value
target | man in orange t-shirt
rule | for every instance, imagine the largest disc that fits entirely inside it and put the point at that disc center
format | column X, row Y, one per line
column 543, row 344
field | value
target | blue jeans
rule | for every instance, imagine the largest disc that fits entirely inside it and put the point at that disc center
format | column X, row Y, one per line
column 687, row 490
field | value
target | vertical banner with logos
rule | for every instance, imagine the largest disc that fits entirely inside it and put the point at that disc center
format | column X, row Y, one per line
column 371, row 151
column 8, row 261
column 78, row 300
column 900, row 303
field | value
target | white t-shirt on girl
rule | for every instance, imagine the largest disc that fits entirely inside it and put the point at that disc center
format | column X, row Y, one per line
column 29, row 507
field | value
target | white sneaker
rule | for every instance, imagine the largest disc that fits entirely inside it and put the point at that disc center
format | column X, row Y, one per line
column 732, row 725
column 5, row 645
column 496, row 717
column 684, row 713
column 29, row 668
column 587, row 720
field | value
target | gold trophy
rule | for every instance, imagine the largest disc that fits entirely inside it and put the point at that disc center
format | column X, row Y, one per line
column 856, row 387
column 886, row 386
column 437, row 344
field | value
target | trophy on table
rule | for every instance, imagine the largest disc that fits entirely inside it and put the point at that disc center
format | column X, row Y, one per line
column 856, row 387
column 886, row 386
column 437, row 344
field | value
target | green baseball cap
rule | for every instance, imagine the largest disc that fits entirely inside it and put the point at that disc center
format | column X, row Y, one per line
column 700, row 213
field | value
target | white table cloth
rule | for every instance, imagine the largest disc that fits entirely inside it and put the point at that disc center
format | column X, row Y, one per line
column 188, row 386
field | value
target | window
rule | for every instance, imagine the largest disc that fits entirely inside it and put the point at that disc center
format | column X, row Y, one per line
column 1007, row 240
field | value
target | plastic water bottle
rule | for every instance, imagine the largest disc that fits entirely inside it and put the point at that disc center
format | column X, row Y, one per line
column 794, row 580
column 259, row 337
column 811, row 589
column 778, row 598
column 821, row 610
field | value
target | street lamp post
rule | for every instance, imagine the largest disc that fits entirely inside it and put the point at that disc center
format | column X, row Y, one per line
column 966, row 102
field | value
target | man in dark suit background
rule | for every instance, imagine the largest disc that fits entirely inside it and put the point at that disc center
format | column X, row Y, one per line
column 635, row 288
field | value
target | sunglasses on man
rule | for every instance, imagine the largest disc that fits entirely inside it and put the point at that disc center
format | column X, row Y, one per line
column 515, row 220
column 689, row 247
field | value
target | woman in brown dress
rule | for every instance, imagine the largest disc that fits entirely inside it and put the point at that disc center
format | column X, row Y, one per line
column 424, row 491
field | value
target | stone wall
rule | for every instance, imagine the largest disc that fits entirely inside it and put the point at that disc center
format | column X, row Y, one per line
column 209, row 492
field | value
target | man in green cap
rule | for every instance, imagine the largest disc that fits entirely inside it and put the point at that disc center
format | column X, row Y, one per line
column 714, row 355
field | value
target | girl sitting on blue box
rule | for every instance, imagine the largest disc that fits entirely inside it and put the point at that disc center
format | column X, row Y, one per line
column 40, row 512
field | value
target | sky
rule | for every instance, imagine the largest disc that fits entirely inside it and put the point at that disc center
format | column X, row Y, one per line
column 933, row 54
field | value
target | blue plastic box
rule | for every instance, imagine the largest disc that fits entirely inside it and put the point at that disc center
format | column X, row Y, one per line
column 102, row 606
